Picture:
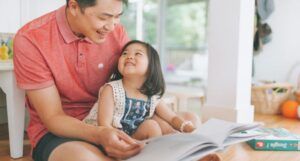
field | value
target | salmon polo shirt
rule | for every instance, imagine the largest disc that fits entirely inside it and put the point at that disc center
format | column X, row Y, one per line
column 46, row 53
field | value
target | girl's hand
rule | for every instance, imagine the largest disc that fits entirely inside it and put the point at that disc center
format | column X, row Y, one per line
column 182, row 125
column 188, row 128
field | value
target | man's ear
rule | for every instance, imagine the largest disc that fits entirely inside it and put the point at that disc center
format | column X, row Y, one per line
column 74, row 7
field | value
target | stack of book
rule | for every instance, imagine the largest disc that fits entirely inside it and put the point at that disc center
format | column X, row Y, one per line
column 278, row 139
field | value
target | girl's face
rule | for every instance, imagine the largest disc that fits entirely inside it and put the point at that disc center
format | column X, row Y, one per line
column 134, row 61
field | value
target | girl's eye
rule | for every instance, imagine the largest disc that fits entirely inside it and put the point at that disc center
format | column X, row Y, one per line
column 138, row 54
column 124, row 53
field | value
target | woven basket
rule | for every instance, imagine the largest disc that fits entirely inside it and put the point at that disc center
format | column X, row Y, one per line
column 267, row 98
column 297, row 95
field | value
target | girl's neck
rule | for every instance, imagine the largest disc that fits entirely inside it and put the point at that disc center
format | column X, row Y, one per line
column 133, row 86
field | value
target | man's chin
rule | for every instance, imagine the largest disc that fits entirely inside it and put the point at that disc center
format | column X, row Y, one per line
column 99, row 41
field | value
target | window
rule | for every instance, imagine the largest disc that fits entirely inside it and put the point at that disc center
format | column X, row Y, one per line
column 177, row 28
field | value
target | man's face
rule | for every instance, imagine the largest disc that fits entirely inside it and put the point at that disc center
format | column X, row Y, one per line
column 97, row 21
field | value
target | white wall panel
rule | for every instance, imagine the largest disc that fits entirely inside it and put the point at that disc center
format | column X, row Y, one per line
column 10, row 15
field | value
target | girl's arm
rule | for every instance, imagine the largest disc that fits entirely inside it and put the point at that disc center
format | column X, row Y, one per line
column 178, row 123
column 105, row 106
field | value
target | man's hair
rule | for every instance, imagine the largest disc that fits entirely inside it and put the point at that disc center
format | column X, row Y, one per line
column 154, row 83
column 89, row 3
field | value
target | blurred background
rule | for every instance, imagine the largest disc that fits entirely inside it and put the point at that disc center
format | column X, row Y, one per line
column 178, row 30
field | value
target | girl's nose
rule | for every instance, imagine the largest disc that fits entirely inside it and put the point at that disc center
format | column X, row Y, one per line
column 129, row 57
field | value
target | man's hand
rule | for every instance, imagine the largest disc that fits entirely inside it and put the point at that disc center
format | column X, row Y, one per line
column 117, row 144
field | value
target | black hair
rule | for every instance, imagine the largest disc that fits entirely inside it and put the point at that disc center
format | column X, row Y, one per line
column 89, row 3
column 154, row 83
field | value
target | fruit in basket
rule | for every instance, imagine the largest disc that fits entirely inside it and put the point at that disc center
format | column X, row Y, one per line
column 290, row 109
column 297, row 96
column 298, row 112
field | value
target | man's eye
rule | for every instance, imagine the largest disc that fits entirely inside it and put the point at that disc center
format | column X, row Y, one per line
column 102, row 18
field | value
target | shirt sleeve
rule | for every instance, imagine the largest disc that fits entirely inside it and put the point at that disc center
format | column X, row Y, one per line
column 30, row 67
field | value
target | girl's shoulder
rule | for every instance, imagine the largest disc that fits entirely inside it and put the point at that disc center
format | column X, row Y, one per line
column 111, row 86
column 117, row 89
column 116, row 84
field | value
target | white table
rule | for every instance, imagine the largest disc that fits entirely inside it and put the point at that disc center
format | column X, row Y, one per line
column 15, row 103
column 183, row 94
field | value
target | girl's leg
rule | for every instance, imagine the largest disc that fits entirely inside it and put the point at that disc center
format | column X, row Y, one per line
column 148, row 129
column 77, row 151
column 166, row 128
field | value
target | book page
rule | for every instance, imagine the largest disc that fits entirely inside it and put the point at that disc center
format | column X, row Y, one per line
column 196, row 155
column 234, row 140
column 171, row 147
column 209, row 137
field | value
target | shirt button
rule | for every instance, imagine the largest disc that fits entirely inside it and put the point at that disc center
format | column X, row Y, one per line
column 100, row 65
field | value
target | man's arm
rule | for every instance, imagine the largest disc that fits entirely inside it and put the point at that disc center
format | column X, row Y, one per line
column 48, row 106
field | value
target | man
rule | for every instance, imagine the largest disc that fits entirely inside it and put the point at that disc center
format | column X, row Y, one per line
column 61, row 60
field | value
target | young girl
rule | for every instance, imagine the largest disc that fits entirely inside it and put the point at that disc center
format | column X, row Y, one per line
column 134, row 94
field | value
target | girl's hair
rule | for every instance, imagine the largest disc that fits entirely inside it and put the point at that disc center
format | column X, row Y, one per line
column 154, row 83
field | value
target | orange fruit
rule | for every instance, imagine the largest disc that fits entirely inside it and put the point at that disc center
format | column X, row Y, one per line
column 298, row 111
column 289, row 109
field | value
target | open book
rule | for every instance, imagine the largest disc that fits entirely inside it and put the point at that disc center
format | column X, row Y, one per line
column 211, row 136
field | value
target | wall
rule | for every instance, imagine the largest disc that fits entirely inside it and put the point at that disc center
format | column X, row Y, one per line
column 31, row 9
column 283, row 52
column 10, row 15
column 18, row 13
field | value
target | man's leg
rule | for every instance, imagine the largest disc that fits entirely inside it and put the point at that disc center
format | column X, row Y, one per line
column 77, row 151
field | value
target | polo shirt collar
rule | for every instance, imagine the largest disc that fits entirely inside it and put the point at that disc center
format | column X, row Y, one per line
column 64, row 27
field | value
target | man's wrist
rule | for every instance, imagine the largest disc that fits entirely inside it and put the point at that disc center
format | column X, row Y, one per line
column 92, row 134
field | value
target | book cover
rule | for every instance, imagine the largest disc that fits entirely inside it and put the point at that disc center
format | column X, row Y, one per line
column 279, row 139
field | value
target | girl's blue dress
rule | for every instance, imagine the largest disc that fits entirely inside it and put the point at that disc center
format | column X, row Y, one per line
column 136, row 111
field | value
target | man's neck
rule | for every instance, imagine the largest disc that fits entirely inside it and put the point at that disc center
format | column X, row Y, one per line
column 72, row 23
